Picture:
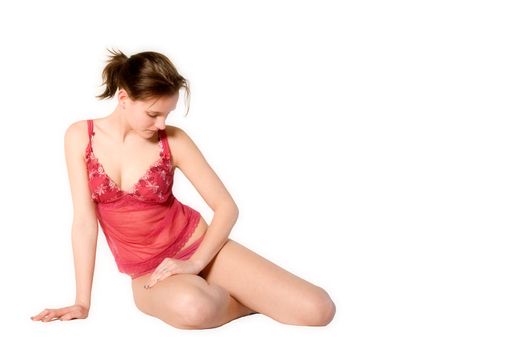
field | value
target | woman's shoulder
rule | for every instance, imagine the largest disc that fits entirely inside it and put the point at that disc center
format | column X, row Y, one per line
column 175, row 132
column 171, row 130
column 77, row 135
column 176, row 135
column 80, row 126
column 178, row 140
column 76, row 127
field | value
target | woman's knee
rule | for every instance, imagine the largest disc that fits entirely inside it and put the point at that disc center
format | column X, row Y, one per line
column 184, row 306
column 193, row 310
column 318, row 309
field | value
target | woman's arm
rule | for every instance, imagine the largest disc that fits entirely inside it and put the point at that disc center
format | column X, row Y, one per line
column 224, row 218
column 84, row 242
column 84, row 229
column 192, row 163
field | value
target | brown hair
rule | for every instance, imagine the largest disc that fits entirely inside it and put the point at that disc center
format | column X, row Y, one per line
column 143, row 75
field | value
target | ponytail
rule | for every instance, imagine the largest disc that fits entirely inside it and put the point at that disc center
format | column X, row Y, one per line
column 111, row 73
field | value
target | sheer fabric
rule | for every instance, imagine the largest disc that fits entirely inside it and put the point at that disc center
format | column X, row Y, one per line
column 147, row 223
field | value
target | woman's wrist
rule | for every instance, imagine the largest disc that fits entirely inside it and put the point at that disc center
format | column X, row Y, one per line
column 199, row 263
column 84, row 304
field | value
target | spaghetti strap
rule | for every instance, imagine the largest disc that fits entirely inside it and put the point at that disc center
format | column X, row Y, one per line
column 90, row 133
column 165, row 146
column 90, row 127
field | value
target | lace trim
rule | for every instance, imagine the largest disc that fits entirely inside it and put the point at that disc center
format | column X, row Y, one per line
column 95, row 168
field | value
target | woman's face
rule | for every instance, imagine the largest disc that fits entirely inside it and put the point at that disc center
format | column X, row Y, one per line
column 148, row 116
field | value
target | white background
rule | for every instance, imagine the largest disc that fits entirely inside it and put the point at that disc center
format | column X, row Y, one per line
column 374, row 148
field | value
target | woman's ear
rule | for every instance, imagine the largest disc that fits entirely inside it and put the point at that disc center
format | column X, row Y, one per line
column 122, row 98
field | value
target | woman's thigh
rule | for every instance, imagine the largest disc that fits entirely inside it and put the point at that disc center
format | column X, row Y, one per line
column 267, row 288
column 182, row 300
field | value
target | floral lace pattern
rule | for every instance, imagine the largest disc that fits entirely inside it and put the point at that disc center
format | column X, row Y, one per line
column 154, row 186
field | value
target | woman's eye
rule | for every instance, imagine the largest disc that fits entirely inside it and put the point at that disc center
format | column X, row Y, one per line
column 153, row 116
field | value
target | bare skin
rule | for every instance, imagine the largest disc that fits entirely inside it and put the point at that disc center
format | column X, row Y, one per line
column 224, row 280
column 236, row 283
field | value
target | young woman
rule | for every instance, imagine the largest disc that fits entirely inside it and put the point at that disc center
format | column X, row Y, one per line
column 183, row 271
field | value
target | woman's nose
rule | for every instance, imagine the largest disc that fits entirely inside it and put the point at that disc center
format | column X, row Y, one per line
column 160, row 124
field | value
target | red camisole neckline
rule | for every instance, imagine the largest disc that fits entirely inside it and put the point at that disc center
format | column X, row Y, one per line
column 154, row 186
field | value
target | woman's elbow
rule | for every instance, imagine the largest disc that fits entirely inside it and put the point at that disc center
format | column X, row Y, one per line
column 228, row 207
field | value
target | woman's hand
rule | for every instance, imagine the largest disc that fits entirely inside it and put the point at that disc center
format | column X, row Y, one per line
column 170, row 267
column 63, row 314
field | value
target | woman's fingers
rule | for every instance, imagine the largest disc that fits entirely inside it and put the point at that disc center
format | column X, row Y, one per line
column 153, row 280
column 39, row 316
column 47, row 315
column 157, row 277
column 162, row 271
column 170, row 267
column 62, row 314
column 42, row 313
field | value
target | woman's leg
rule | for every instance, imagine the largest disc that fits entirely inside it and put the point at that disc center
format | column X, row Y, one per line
column 236, row 283
column 187, row 301
column 267, row 288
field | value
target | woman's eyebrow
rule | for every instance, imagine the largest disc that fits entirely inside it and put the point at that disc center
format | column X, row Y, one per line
column 158, row 112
